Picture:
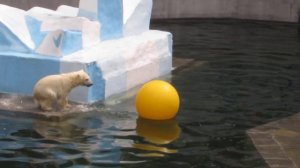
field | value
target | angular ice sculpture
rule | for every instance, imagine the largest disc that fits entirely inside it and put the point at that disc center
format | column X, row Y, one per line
column 137, row 14
column 109, row 39
column 108, row 12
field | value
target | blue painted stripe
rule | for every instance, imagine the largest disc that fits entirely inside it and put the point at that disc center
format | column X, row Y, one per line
column 57, row 41
column 19, row 74
column 110, row 15
column 97, row 91
column 34, row 27
column 71, row 42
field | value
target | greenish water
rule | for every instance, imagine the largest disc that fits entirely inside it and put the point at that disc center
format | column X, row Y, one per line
column 244, row 74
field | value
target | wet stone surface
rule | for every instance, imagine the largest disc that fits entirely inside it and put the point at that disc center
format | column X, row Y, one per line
column 278, row 142
column 22, row 106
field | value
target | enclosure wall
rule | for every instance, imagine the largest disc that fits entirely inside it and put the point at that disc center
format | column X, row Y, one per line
column 275, row 10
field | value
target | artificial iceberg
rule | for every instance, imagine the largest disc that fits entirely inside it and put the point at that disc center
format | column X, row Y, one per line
column 109, row 39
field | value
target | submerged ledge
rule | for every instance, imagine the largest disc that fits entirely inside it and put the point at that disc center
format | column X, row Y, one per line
column 278, row 142
column 22, row 106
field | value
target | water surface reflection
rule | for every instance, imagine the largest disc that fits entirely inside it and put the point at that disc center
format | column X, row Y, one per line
column 244, row 74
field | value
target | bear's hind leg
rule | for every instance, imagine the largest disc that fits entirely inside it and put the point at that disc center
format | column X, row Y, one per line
column 37, row 103
column 46, row 105
column 63, row 103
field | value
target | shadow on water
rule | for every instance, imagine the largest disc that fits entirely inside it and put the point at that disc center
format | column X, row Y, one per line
column 243, row 74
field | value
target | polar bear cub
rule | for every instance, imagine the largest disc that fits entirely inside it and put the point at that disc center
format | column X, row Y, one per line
column 56, row 88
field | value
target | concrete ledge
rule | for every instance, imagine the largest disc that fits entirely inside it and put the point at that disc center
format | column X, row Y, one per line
column 278, row 142
column 23, row 106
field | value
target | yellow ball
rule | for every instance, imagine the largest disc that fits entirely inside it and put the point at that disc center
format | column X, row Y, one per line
column 157, row 100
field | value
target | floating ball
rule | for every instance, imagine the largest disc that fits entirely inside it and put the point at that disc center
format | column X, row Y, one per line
column 157, row 100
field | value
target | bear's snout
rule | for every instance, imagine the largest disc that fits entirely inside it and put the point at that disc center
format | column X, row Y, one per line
column 90, row 84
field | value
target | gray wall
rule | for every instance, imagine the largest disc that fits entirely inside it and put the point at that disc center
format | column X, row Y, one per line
column 276, row 10
column 27, row 4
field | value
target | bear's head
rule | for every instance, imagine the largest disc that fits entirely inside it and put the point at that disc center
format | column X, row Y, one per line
column 84, row 78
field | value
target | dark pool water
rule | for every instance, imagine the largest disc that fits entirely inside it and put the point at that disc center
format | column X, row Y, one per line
column 244, row 74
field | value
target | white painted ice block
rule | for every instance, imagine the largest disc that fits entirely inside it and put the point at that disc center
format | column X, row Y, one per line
column 59, row 33
column 46, row 32
column 14, row 33
column 115, row 66
column 56, row 34
column 137, row 14
column 68, row 10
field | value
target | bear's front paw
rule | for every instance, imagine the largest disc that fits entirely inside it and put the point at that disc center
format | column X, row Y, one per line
column 46, row 108
column 67, row 106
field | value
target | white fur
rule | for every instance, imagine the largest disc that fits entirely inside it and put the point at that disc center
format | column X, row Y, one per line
column 56, row 88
